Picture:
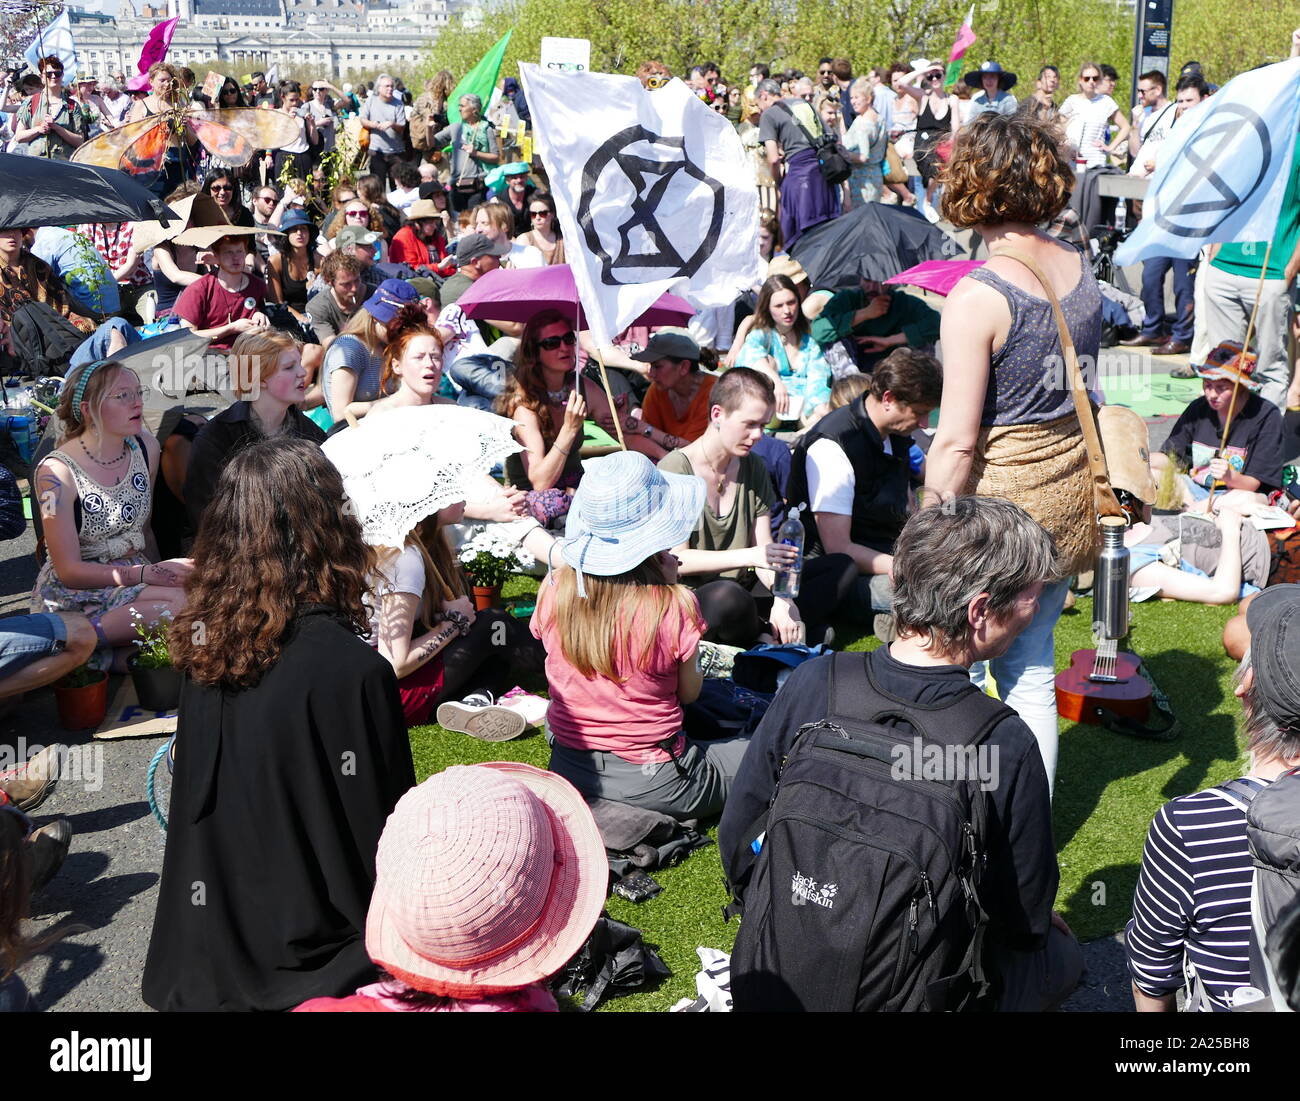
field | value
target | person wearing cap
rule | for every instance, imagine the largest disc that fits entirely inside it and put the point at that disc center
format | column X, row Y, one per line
column 476, row 255
column 622, row 645
column 1251, row 461
column 488, row 880
column 677, row 403
column 222, row 305
column 517, row 194
column 1192, row 906
column 875, row 318
column 787, row 130
column 422, row 242
column 350, row 375
column 995, row 84
column 359, row 242
column 292, row 268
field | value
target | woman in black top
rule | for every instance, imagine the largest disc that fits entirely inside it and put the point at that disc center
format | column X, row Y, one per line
column 267, row 366
column 291, row 749
column 293, row 268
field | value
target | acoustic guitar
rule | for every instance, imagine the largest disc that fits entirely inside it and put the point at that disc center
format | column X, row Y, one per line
column 1103, row 682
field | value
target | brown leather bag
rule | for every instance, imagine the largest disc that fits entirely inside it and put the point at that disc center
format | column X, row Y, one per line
column 895, row 173
column 1104, row 499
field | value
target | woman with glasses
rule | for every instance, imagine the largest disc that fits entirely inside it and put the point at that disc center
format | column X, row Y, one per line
column 545, row 234
column 1087, row 114
column 342, row 194
column 48, row 123
column 549, row 414
column 224, row 190
column 95, row 493
column 937, row 119
column 230, row 95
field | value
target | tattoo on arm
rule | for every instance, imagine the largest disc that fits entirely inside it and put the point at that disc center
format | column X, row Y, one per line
column 50, row 493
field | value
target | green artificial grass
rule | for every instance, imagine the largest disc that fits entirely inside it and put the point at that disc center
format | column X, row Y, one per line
column 1108, row 786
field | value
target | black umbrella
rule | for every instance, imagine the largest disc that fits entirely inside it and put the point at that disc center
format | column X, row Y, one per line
column 874, row 241
column 40, row 191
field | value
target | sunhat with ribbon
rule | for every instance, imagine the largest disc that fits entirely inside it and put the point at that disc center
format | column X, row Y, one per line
column 624, row 511
column 488, row 878
column 975, row 78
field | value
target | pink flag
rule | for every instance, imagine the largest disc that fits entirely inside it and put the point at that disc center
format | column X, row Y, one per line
column 153, row 51
column 965, row 39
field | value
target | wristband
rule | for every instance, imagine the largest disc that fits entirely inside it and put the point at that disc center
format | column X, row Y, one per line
column 142, row 569
column 561, row 450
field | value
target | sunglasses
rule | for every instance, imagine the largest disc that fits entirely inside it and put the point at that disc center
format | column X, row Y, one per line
column 1090, row 79
column 53, row 72
column 539, row 213
column 653, row 82
column 823, row 72
column 356, row 214
column 221, row 187
column 553, row 342
column 934, row 76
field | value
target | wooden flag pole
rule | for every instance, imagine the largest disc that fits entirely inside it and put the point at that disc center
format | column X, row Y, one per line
column 1245, row 351
column 609, row 397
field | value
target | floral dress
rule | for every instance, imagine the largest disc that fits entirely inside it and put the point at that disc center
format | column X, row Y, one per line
column 113, row 523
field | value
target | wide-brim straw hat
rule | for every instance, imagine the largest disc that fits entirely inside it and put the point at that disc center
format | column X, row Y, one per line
column 625, row 511
column 488, row 878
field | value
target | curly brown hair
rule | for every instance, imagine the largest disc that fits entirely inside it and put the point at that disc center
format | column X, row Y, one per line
column 1006, row 168
column 276, row 535
column 525, row 385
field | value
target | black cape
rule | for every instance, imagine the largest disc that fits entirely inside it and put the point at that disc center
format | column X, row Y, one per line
column 279, row 797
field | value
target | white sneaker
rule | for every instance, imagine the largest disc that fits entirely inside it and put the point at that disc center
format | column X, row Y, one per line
column 479, row 716
column 531, row 707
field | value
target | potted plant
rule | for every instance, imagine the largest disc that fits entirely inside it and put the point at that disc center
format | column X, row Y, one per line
column 489, row 559
column 157, row 681
column 82, row 698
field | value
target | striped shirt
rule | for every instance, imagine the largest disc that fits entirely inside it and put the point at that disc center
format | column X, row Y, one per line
column 1193, row 899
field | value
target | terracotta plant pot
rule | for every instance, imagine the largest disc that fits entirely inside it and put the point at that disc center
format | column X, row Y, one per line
column 486, row 596
column 82, row 707
column 157, row 689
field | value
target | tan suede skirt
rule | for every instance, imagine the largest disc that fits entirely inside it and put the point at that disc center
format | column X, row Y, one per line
column 1043, row 468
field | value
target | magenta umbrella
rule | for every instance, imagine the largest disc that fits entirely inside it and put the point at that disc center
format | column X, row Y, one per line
column 513, row 294
column 939, row 276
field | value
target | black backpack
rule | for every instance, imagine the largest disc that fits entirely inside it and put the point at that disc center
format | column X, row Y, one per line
column 835, row 167
column 864, row 892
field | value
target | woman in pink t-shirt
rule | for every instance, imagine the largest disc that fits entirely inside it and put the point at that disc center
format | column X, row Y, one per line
column 622, row 639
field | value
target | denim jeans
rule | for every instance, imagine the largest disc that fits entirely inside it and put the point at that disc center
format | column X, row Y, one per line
column 1153, row 296
column 1026, row 674
column 480, row 378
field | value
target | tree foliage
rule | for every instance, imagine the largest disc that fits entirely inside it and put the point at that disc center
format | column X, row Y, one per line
column 1021, row 34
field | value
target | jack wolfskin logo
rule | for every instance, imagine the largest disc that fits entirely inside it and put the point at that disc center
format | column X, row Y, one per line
column 803, row 889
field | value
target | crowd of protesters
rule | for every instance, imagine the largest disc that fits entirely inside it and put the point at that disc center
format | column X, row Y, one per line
column 336, row 290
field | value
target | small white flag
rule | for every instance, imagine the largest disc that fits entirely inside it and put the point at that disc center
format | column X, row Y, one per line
column 55, row 41
column 654, row 191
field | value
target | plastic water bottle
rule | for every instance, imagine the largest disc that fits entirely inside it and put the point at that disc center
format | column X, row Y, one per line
column 790, row 535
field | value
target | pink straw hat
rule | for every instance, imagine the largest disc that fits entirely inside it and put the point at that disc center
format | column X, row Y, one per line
column 488, row 878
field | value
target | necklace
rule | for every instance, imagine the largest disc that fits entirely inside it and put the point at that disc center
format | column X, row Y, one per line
column 102, row 462
column 722, row 474
column 560, row 396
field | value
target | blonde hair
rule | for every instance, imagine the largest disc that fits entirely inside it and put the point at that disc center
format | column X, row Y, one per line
column 498, row 214
column 365, row 328
column 96, row 393
column 618, row 622
column 263, row 349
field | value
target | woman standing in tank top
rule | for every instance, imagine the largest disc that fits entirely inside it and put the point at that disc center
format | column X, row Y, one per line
column 937, row 119
column 1007, row 425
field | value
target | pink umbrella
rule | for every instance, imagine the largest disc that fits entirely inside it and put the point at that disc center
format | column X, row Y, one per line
column 939, row 276
column 517, row 294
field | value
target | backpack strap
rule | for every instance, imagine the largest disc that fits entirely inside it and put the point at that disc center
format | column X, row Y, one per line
column 1237, row 792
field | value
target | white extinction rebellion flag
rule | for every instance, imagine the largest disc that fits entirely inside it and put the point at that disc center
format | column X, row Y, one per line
column 653, row 188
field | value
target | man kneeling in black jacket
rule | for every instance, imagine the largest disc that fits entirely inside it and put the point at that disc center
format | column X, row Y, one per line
column 967, row 578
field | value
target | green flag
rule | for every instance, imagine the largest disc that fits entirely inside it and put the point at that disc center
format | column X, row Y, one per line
column 480, row 80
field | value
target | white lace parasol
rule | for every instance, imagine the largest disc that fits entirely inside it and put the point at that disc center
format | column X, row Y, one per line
column 405, row 465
